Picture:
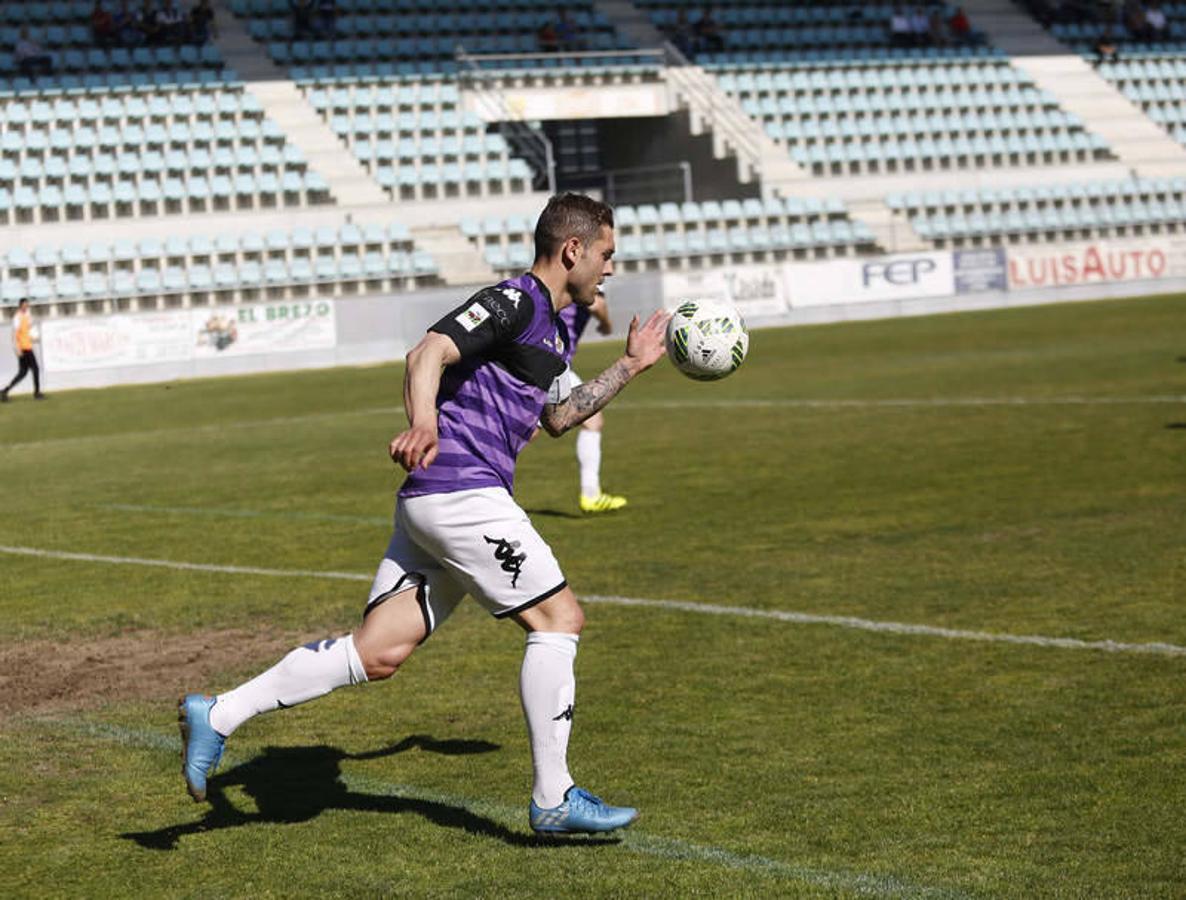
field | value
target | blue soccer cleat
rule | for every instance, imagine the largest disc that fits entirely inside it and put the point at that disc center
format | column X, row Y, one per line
column 201, row 745
column 581, row 813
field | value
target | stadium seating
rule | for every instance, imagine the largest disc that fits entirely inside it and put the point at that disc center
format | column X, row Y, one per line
column 691, row 234
column 1046, row 212
column 422, row 36
column 279, row 264
column 411, row 134
column 938, row 115
column 63, row 29
column 1155, row 81
column 108, row 154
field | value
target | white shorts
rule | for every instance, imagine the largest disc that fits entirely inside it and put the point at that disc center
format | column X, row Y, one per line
column 477, row 542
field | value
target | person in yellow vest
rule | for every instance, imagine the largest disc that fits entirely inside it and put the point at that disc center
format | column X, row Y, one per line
column 24, row 335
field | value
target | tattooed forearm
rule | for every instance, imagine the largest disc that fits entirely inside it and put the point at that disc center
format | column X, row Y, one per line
column 586, row 399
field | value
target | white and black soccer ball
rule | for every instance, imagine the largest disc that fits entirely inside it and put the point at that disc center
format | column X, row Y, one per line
column 706, row 339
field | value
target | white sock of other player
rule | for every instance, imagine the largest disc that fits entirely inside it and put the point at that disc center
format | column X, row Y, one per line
column 589, row 458
column 547, row 687
column 304, row 674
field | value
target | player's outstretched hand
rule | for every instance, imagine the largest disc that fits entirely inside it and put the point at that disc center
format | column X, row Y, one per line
column 417, row 446
column 645, row 343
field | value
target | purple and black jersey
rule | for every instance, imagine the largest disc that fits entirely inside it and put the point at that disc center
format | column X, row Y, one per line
column 575, row 317
column 489, row 403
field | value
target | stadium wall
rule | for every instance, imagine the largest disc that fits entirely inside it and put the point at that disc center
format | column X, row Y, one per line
column 141, row 347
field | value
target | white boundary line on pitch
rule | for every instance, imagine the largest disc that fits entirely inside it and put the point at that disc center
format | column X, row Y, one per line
column 626, row 405
column 216, row 427
column 634, row 841
column 852, row 622
column 907, row 402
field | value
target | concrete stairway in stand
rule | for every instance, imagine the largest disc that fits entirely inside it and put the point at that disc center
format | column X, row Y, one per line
column 1139, row 143
column 349, row 183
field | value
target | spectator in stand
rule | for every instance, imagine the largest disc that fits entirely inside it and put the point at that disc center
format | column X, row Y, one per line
column 149, row 24
column 681, row 34
column 1105, row 48
column 960, row 28
column 102, row 25
column 126, row 31
column 1155, row 22
column 1133, row 17
column 30, row 56
column 937, row 32
column 302, row 19
column 171, row 23
column 202, row 26
column 327, row 18
column 920, row 27
column 546, row 38
column 708, row 33
column 900, row 28
column 568, row 34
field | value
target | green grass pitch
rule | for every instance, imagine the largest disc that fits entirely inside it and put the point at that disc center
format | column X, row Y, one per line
column 1016, row 472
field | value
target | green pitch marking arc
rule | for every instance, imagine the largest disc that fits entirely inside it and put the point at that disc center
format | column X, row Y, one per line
column 634, row 841
column 1157, row 648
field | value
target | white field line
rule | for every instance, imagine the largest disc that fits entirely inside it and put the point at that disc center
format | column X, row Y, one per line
column 210, row 427
column 626, row 405
column 907, row 402
column 509, row 822
column 852, row 622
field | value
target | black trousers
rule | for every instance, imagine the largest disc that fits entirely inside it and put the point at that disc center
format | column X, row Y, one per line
column 27, row 363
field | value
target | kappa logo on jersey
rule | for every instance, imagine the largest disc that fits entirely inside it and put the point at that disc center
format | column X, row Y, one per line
column 473, row 317
column 504, row 552
column 513, row 295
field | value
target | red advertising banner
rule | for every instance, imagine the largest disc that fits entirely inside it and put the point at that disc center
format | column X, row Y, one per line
column 1097, row 262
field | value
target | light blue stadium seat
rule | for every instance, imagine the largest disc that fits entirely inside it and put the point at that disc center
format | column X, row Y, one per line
column 13, row 290
column 251, row 274
column 200, row 278
column 95, row 285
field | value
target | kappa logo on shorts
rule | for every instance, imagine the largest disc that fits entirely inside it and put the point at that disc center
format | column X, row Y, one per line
column 567, row 715
column 504, row 552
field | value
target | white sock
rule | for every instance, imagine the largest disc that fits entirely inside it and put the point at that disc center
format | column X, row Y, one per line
column 589, row 458
column 547, row 687
column 305, row 673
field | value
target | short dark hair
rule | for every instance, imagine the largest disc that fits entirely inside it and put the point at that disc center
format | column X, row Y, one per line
column 570, row 215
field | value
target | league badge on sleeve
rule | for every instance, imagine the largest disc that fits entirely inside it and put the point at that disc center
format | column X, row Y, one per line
column 472, row 317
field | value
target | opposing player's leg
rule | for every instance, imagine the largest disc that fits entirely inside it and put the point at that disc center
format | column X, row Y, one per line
column 593, row 499
column 547, row 687
column 409, row 597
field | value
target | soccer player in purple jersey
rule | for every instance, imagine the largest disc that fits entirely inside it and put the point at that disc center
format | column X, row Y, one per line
column 592, row 498
column 474, row 390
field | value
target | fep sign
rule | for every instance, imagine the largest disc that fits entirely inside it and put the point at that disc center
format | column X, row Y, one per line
column 901, row 277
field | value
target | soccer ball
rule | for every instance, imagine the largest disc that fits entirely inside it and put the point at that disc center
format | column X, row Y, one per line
column 706, row 339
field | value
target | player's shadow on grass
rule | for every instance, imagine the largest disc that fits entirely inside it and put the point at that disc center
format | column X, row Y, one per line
column 297, row 784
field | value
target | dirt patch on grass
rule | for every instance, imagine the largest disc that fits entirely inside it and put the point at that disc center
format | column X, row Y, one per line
column 49, row 676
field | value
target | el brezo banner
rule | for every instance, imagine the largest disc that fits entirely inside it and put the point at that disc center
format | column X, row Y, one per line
column 136, row 339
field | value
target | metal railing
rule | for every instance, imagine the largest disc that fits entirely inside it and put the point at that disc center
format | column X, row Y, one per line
column 722, row 114
column 640, row 184
column 483, row 72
